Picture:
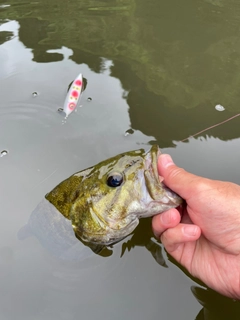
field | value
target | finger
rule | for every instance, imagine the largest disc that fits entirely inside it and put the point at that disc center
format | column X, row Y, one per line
column 173, row 238
column 165, row 220
column 177, row 179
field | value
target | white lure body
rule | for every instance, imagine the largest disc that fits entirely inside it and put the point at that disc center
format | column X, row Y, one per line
column 73, row 95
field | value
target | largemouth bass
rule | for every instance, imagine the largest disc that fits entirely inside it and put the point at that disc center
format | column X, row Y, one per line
column 106, row 201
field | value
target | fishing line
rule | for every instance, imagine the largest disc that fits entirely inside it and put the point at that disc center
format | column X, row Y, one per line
column 215, row 125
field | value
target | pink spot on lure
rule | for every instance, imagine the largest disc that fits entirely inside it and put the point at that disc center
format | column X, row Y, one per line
column 74, row 93
column 78, row 82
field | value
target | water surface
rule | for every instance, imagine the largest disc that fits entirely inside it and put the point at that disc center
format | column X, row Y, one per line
column 154, row 69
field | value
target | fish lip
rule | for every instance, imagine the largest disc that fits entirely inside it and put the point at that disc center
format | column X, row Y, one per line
column 155, row 153
column 151, row 162
column 160, row 191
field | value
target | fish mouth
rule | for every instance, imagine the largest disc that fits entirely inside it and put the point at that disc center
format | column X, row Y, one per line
column 158, row 191
column 155, row 153
column 151, row 170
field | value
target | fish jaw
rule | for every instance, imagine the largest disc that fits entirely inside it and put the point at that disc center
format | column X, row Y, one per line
column 108, row 235
column 162, row 197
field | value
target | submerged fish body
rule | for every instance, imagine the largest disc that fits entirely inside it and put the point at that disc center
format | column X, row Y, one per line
column 55, row 233
column 105, row 202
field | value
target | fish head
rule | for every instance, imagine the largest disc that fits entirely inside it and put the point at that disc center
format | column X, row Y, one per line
column 105, row 202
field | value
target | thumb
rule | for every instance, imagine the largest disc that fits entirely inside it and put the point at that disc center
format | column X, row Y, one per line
column 177, row 179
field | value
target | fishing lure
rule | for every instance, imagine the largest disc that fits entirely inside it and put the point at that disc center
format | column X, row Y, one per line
column 73, row 95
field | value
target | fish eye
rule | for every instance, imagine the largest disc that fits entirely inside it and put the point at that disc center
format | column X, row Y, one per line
column 114, row 179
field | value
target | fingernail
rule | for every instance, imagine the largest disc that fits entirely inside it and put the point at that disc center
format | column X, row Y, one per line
column 166, row 160
column 190, row 230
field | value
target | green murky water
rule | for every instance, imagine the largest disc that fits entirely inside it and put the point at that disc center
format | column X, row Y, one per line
column 155, row 71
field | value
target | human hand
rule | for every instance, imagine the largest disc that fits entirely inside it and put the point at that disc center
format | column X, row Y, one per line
column 206, row 240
